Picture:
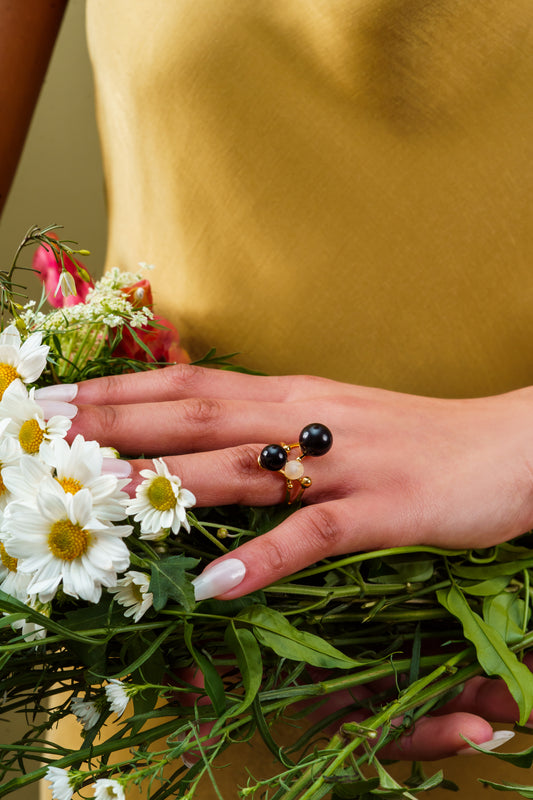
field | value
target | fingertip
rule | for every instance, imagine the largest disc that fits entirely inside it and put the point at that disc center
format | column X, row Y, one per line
column 433, row 738
column 218, row 579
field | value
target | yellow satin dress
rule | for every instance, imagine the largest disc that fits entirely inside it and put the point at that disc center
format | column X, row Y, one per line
column 334, row 187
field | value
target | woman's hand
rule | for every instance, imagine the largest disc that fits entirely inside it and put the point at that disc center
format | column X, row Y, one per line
column 403, row 470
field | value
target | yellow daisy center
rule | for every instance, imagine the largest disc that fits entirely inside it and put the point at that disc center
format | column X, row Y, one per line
column 160, row 494
column 7, row 376
column 8, row 561
column 2, row 484
column 67, row 540
column 30, row 436
column 70, row 485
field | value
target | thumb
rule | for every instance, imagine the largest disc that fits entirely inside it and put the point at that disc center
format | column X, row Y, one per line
column 309, row 535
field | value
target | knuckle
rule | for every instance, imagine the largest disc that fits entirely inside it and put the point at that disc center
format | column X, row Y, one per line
column 181, row 379
column 320, row 529
column 202, row 411
column 307, row 386
column 241, row 464
column 244, row 461
column 274, row 556
column 110, row 388
column 101, row 421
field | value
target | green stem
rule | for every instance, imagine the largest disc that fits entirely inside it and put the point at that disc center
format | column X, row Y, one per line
column 199, row 527
column 360, row 557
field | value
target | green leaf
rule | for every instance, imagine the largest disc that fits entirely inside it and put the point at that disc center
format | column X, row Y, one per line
column 524, row 759
column 492, row 652
column 523, row 791
column 486, row 588
column 349, row 787
column 412, row 570
column 430, row 783
column 170, row 581
column 486, row 571
column 388, row 783
column 505, row 613
column 213, row 683
column 273, row 630
column 243, row 643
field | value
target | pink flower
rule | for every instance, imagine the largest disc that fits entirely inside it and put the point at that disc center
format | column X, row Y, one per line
column 139, row 294
column 162, row 338
column 47, row 264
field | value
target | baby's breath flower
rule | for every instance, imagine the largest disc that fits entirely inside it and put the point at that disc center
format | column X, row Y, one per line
column 160, row 501
column 117, row 696
column 107, row 789
column 85, row 712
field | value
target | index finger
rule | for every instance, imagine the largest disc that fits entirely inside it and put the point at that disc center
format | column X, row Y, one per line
column 179, row 382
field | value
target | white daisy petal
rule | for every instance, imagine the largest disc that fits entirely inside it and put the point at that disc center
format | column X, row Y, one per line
column 160, row 501
column 61, row 540
column 60, row 784
column 85, row 712
column 107, row 789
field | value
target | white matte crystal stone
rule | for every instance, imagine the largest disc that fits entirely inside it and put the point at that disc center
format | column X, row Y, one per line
column 294, row 470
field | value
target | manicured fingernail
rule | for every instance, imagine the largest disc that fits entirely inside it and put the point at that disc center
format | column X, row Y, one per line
column 499, row 738
column 116, row 467
column 53, row 407
column 59, row 391
column 219, row 579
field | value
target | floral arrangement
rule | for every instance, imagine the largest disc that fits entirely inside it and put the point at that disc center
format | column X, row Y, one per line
column 100, row 622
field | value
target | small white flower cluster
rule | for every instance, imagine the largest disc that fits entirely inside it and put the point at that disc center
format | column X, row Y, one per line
column 105, row 304
column 59, row 508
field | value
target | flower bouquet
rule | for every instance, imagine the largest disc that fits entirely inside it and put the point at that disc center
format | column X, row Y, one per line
column 99, row 618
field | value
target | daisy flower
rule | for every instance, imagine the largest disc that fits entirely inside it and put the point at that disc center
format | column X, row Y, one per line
column 61, row 784
column 10, row 453
column 106, row 789
column 24, row 361
column 117, row 696
column 27, row 423
column 132, row 592
column 160, row 501
column 22, row 480
column 85, row 712
column 75, row 467
column 12, row 581
column 61, row 540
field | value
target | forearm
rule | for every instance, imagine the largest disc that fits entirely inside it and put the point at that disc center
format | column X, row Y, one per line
column 28, row 30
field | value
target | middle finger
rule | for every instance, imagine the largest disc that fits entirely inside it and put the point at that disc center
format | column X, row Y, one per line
column 192, row 425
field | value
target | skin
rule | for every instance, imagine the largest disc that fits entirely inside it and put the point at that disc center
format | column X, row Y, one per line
column 28, row 32
column 403, row 470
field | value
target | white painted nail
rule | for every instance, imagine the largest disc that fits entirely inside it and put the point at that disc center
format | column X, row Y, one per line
column 116, row 467
column 59, row 391
column 53, row 407
column 499, row 738
column 219, row 579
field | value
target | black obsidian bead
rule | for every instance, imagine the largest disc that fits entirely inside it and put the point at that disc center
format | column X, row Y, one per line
column 273, row 457
column 315, row 439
